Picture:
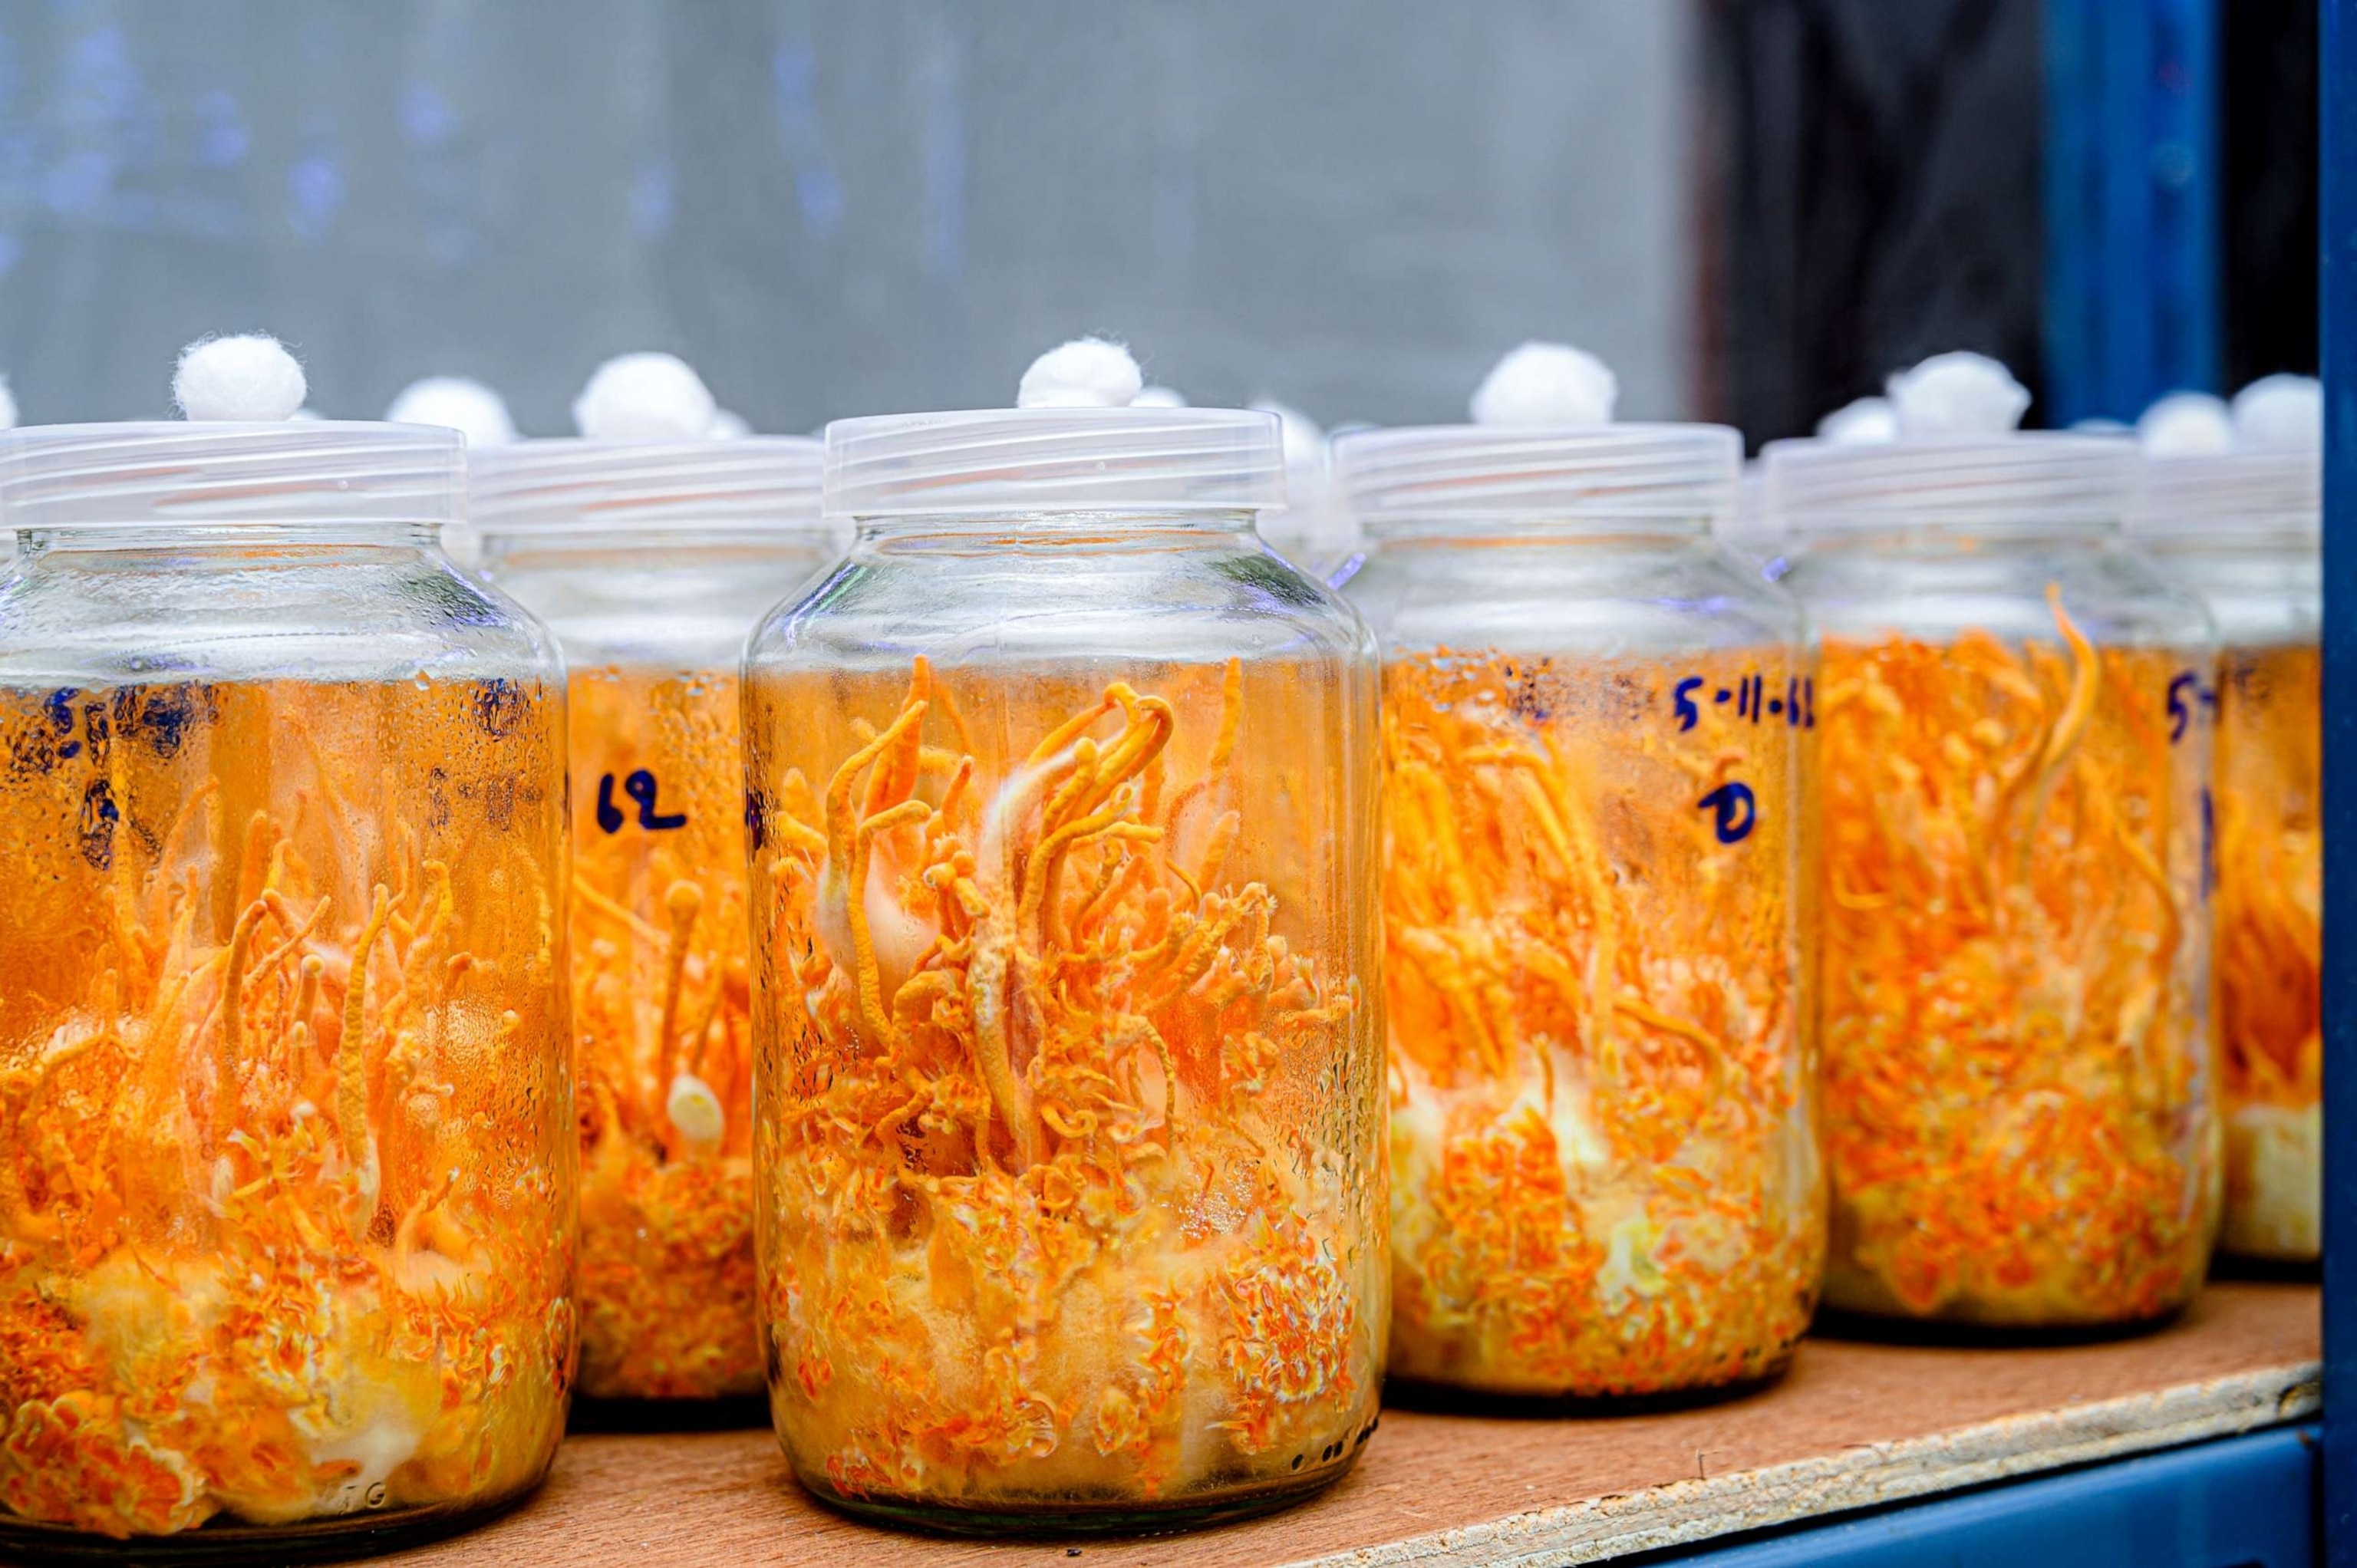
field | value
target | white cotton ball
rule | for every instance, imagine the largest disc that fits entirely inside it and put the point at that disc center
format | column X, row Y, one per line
column 2186, row 424
column 2281, row 413
column 1305, row 441
column 7, row 406
column 728, row 425
column 1863, row 422
column 247, row 378
column 2099, row 425
column 1087, row 372
column 644, row 397
column 469, row 407
column 1159, row 397
column 1959, row 393
column 1548, row 383
column 306, row 414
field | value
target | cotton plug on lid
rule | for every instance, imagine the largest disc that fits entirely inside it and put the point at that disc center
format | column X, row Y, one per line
column 469, row 407
column 2186, row 424
column 1547, row 385
column 1159, row 397
column 7, row 406
column 1087, row 372
column 1959, row 393
column 644, row 397
column 2281, row 413
column 1863, row 422
column 1314, row 529
column 249, row 378
column 727, row 426
column 1304, row 440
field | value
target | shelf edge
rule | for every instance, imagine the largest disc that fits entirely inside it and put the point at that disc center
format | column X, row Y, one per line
column 1867, row 1475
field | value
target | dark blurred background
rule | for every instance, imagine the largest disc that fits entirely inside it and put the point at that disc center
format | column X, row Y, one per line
column 2115, row 197
column 1754, row 208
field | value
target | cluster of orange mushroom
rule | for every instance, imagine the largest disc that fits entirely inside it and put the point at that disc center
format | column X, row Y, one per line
column 2019, row 1103
column 1604, row 1169
column 1055, row 1213
column 274, row 1246
column 662, row 1005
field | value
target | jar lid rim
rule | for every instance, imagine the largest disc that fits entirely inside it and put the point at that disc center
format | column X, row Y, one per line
column 1681, row 473
column 570, row 485
column 2227, row 495
column 1012, row 461
column 167, row 473
column 2065, row 481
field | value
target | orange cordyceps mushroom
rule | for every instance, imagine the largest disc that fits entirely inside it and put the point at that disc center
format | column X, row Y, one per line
column 281, row 1233
column 2017, row 1079
column 1038, row 1227
column 1603, row 1180
column 2270, row 946
column 667, row 1276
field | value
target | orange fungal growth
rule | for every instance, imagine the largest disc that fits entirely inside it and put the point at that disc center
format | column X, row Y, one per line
column 1604, row 1177
column 285, row 1185
column 2271, row 947
column 2019, row 1111
column 662, row 999
column 1070, row 1196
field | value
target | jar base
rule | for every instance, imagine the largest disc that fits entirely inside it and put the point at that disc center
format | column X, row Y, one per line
column 2259, row 1267
column 723, row 1413
column 1844, row 1322
column 37, row 1545
column 1434, row 1397
column 1067, row 1520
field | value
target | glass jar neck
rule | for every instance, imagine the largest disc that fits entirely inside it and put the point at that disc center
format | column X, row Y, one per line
column 1961, row 539
column 1607, row 530
column 239, row 542
column 2285, row 543
column 644, row 548
column 1057, row 530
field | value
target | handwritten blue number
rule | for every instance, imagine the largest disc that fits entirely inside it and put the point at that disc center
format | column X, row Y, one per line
column 640, row 787
column 1739, row 812
column 2179, row 715
column 1688, row 715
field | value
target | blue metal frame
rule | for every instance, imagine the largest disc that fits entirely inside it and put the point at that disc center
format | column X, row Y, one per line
column 2133, row 158
column 2244, row 1502
column 2337, row 297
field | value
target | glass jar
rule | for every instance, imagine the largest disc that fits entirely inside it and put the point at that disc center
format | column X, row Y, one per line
column 2244, row 533
column 1595, row 723
column 286, row 1108
column 2019, row 1108
column 1070, row 1094
column 650, row 563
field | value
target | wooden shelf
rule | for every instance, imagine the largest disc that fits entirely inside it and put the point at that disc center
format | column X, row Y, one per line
column 1852, row 1425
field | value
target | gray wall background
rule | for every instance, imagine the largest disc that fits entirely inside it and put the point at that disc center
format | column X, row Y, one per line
column 836, row 206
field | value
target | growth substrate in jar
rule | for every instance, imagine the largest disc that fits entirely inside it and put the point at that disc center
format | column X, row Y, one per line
column 2241, row 529
column 1067, row 1031
column 652, row 559
column 285, row 1115
column 2019, row 1103
column 1596, row 727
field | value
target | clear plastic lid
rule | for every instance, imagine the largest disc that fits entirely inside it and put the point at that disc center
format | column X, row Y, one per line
column 2217, row 498
column 2030, row 481
column 314, row 473
column 749, row 483
column 1027, row 461
column 1668, row 478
